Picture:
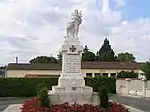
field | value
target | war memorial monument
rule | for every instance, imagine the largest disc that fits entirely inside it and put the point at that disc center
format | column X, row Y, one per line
column 71, row 84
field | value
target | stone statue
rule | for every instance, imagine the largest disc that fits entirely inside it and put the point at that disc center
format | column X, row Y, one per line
column 73, row 25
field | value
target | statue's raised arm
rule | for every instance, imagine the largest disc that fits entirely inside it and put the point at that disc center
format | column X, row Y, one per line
column 74, row 23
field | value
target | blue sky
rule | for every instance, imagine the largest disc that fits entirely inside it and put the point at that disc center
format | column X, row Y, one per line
column 136, row 9
column 132, row 9
column 30, row 28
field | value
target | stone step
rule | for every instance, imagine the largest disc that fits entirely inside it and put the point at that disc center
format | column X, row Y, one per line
column 61, row 89
column 71, row 98
column 71, row 81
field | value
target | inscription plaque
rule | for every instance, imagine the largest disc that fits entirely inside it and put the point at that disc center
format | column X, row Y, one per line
column 72, row 63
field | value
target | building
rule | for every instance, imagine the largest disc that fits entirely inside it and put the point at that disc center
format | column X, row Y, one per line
column 89, row 69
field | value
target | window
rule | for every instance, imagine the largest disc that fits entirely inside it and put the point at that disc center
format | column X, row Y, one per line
column 112, row 74
column 105, row 74
column 88, row 74
column 97, row 74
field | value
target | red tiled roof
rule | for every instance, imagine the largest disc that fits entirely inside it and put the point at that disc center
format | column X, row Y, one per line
column 111, row 65
column 85, row 65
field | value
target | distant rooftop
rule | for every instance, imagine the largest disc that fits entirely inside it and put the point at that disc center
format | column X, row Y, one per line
column 84, row 65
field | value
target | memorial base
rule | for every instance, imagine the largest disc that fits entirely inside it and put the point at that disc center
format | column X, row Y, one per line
column 71, row 90
column 72, row 98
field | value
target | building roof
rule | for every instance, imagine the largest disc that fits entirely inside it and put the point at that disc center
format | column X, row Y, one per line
column 84, row 65
column 28, row 66
column 111, row 65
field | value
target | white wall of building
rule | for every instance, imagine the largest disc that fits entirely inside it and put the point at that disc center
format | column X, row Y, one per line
column 23, row 73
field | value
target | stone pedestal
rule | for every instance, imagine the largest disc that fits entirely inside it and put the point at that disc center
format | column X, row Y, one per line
column 71, row 84
column 80, row 98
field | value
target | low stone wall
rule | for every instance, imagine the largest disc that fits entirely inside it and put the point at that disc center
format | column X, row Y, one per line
column 147, row 92
column 133, row 87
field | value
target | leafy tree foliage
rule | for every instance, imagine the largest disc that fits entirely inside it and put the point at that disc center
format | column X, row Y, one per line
column 127, row 74
column 44, row 59
column 105, row 53
column 127, row 57
column 59, row 56
column 86, row 49
column 2, row 67
column 146, row 70
column 87, row 55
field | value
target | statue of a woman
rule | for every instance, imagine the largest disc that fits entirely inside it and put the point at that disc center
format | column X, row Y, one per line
column 73, row 25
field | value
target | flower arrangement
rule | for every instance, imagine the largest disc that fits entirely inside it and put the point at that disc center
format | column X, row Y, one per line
column 32, row 105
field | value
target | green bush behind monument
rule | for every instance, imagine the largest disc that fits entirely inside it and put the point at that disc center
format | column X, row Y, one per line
column 27, row 87
column 127, row 74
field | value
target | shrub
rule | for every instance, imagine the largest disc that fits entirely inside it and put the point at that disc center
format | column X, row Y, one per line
column 127, row 74
column 43, row 98
column 32, row 105
column 103, row 93
column 27, row 87
column 146, row 70
column 116, row 107
column 97, row 82
column 40, row 86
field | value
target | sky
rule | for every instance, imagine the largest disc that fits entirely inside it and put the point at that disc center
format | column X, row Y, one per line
column 31, row 28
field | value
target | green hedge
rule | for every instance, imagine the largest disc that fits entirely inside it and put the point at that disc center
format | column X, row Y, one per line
column 97, row 82
column 26, row 87
column 127, row 74
column 23, row 86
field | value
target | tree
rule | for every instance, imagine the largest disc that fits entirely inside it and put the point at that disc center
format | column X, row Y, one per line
column 86, row 49
column 87, row 55
column 44, row 59
column 127, row 57
column 127, row 74
column 59, row 56
column 105, row 53
column 146, row 69
column 2, row 67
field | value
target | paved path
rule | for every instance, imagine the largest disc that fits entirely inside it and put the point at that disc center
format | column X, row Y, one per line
column 5, row 102
column 139, row 103
column 13, row 108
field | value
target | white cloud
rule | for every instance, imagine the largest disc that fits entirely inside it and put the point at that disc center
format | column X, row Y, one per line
column 29, row 28
column 134, row 37
column 121, row 2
